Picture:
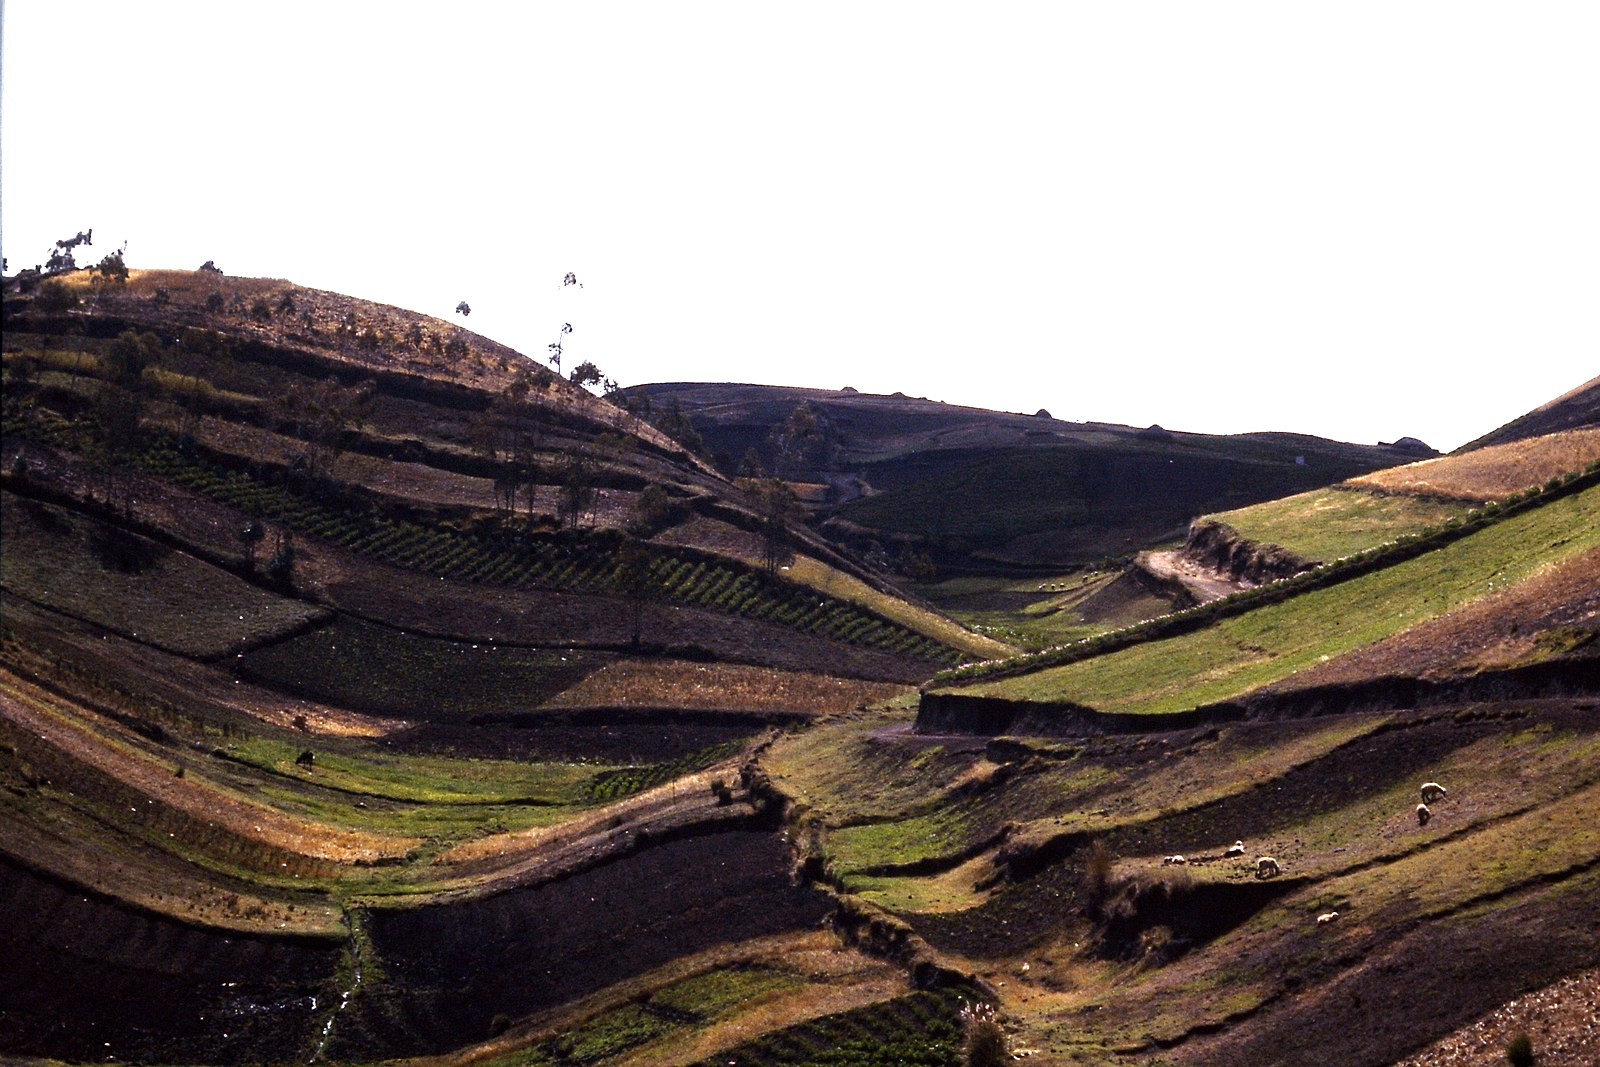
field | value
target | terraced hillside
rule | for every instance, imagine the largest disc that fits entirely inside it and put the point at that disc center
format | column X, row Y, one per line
column 368, row 695
column 1080, row 828
column 343, row 649
column 327, row 435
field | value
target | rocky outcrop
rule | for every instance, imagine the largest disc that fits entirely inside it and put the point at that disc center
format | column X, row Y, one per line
column 1219, row 547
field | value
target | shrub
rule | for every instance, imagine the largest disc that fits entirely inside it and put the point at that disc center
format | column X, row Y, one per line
column 1097, row 876
column 53, row 297
column 215, row 302
column 985, row 1041
column 1519, row 1052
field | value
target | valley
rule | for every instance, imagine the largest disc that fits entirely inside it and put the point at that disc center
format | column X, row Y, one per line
column 370, row 693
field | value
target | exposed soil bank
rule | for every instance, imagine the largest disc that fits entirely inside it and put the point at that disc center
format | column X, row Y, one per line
column 959, row 713
column 1218, row 547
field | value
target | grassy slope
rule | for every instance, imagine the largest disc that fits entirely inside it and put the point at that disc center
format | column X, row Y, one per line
column 1239, row 654
column 1331, row 798
column 1326, row 524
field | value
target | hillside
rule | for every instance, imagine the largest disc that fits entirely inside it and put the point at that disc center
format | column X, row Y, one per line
column 323, row 619
column 1283, row 537
column 419, row 446
column 986, row 492
column 369, row 694
column 1575, row 409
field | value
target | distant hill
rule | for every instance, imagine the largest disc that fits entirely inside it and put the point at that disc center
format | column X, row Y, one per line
column 987, row 491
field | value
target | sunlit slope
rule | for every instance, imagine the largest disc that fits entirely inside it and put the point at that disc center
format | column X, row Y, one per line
column 1357, row 514
column 983, row 854
column 1235, row 655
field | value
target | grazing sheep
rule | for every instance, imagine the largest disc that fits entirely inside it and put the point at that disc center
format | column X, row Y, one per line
column 1423, row 814
column 1236, row 850
column 1267, row 867
column 1175, row 860
column 1432, row 791
column 1327, row 917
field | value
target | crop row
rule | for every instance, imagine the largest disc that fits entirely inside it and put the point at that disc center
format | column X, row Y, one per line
column 587, row 564
column 613, row 785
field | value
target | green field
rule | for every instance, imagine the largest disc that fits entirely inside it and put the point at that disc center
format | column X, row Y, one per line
column 1265, row 645
column 1326, row 524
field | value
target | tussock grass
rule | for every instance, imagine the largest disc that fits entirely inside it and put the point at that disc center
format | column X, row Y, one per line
column 841, row 772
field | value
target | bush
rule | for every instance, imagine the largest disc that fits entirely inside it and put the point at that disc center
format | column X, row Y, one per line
column 1520, row 1051
column 985, row 1041
column 54, row 297
column 1097, row 876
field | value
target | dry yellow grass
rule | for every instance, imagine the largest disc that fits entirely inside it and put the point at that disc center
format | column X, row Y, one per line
column 680, row 684
column 836, row 583
column 1489, row 473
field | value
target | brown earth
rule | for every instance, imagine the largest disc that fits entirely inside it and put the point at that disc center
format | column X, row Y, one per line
column 1562, row 1019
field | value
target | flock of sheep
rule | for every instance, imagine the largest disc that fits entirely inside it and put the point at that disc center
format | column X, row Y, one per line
column 1267, row 866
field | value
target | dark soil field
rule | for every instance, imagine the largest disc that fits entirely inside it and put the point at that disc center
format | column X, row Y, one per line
column 94, row 980
column 90, row 979
column 453, row 968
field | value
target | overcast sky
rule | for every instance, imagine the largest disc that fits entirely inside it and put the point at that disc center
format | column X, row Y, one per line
column 1358, row 220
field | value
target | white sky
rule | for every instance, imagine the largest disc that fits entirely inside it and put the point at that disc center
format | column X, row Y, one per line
column 1359, row 220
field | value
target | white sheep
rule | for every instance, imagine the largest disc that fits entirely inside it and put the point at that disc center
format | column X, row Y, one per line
column 1237, row 849
column 1432, row 791
column 1327, row 917
column 1175, row 860
column 1423, row 814
column 1267, row 867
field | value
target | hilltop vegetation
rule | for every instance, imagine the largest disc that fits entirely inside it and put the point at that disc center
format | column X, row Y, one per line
column 369, row 693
